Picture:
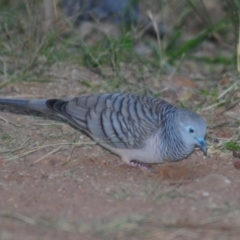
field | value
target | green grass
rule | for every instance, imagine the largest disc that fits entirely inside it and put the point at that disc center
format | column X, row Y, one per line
column 28, row 48
column 232, row 146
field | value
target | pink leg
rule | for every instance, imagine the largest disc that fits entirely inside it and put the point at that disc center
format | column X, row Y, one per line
column 140, row 165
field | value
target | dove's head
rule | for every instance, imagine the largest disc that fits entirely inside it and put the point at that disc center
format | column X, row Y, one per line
column 193, row 130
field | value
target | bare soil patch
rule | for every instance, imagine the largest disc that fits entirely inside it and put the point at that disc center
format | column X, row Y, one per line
column 56, row 184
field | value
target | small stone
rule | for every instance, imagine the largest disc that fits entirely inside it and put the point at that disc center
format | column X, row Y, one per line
column 237, row 164
column 205, row 194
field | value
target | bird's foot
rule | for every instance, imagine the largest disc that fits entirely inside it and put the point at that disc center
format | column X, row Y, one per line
column 140, row 165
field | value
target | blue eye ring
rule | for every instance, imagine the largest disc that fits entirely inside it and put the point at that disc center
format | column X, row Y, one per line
column 191, row 130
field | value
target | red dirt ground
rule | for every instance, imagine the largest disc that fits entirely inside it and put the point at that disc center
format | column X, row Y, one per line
column 51, row 189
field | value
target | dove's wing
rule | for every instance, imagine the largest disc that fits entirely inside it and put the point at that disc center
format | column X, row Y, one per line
column 120, row 120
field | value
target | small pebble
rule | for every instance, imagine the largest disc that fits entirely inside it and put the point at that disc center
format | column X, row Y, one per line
column 237, row 164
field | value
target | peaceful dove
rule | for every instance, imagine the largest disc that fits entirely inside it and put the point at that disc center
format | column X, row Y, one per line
column 140, row 129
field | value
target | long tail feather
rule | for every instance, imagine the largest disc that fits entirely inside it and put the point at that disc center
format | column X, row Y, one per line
column 35, row 104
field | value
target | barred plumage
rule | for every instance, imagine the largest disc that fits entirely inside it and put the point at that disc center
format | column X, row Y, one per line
column 140, row 129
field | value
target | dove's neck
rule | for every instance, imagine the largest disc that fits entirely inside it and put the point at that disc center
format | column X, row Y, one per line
column 171, row 144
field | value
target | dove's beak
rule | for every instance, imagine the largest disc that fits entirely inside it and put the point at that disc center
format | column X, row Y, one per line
column 202, row 145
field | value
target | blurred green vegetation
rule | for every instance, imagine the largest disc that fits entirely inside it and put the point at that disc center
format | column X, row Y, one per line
column 27, row 45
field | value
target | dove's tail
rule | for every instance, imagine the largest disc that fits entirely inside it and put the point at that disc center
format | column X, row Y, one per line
column 34, row 104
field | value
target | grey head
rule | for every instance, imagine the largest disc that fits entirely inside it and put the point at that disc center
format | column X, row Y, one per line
column 182, row 130
column 193, row 129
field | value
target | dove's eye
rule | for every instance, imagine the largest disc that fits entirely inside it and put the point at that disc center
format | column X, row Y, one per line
column 190, row 129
